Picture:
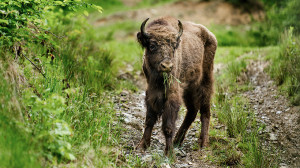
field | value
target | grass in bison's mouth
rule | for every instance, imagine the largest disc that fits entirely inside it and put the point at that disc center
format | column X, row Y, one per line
column 168, row 80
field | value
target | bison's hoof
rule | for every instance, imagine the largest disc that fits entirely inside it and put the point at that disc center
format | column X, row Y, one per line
column 203, row 143
column 170, row 154
column 142, row 145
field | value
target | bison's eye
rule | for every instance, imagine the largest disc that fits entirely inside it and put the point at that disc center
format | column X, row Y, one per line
column 152, row 47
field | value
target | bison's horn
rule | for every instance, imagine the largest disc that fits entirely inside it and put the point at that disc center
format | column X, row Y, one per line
column 143, row 28
column 180, row 30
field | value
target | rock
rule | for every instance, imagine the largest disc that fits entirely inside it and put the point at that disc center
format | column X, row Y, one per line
column 123, row 100
column 273, row 137
column 184, row 165
column 261, row 101
column 124, row 93
column 278, row 112
column 218, row 126
column 147, row 158
column 283, row 165
column 179, row 152
column 125, row 106
column 165, row 165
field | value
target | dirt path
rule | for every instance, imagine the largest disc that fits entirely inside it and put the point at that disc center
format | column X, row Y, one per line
column 273, row 109
column 132, row 110
column 206, row 13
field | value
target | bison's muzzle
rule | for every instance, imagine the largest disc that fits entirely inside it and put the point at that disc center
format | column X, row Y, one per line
column 165, row 66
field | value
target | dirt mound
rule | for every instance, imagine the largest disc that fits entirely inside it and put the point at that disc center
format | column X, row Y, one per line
column 206, row 13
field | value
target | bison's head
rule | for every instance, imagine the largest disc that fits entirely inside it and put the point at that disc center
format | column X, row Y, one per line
column 160, row 42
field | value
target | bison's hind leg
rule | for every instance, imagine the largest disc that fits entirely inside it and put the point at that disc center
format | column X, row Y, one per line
column 205, row 119
column 190, row 116
column 206, row 91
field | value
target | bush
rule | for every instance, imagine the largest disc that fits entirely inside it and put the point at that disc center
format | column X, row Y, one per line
column 280, row 15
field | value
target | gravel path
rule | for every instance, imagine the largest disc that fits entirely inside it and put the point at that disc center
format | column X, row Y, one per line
column 273, row 109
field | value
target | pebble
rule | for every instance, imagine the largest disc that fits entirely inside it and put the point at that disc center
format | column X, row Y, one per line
column 179, row 152
column 124, row 93
column 283, row 165
column 165, row 165
column 218, row 126
column 261, row 101
column 273, row 137
column 278, row 112
column 147, row 158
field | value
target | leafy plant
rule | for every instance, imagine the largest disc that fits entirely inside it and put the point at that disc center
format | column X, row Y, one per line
column 26, row 20
column 53, row 132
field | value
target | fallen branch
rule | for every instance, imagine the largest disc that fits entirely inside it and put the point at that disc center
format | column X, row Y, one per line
column 34, row 65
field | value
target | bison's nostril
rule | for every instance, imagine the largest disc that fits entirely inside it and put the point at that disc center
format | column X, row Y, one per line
column 166, row 66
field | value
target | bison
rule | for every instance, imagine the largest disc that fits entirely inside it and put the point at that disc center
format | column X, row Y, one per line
column 184, row 51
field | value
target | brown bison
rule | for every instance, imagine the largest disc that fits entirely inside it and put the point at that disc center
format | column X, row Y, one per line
column 184, row 51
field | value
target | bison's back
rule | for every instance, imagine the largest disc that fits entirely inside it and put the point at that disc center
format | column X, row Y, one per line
column 195, row 60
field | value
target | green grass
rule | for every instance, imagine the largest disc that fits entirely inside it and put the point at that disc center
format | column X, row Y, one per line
column 285, row 66
column 17, row 147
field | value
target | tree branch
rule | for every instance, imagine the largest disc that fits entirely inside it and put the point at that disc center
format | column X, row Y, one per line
column 34, row 65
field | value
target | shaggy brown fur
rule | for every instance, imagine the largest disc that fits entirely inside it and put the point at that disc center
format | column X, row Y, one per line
column 189, row 58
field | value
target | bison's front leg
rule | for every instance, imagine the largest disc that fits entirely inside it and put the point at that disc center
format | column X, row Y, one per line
column 151, row 118
column 169, row 117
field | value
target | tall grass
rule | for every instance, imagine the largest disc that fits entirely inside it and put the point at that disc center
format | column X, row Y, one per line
column 286, row 65
column 17, row 147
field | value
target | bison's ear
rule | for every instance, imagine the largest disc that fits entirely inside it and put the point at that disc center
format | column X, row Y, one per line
column 142, row 39
column 179, row 34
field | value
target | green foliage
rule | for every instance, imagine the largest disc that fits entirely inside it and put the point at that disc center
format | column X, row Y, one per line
column 280, row 15
column 286, row 65
column 241, row 35
column 24, row 20
column 50, row 130
column 77, row 70
column 285, row 15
